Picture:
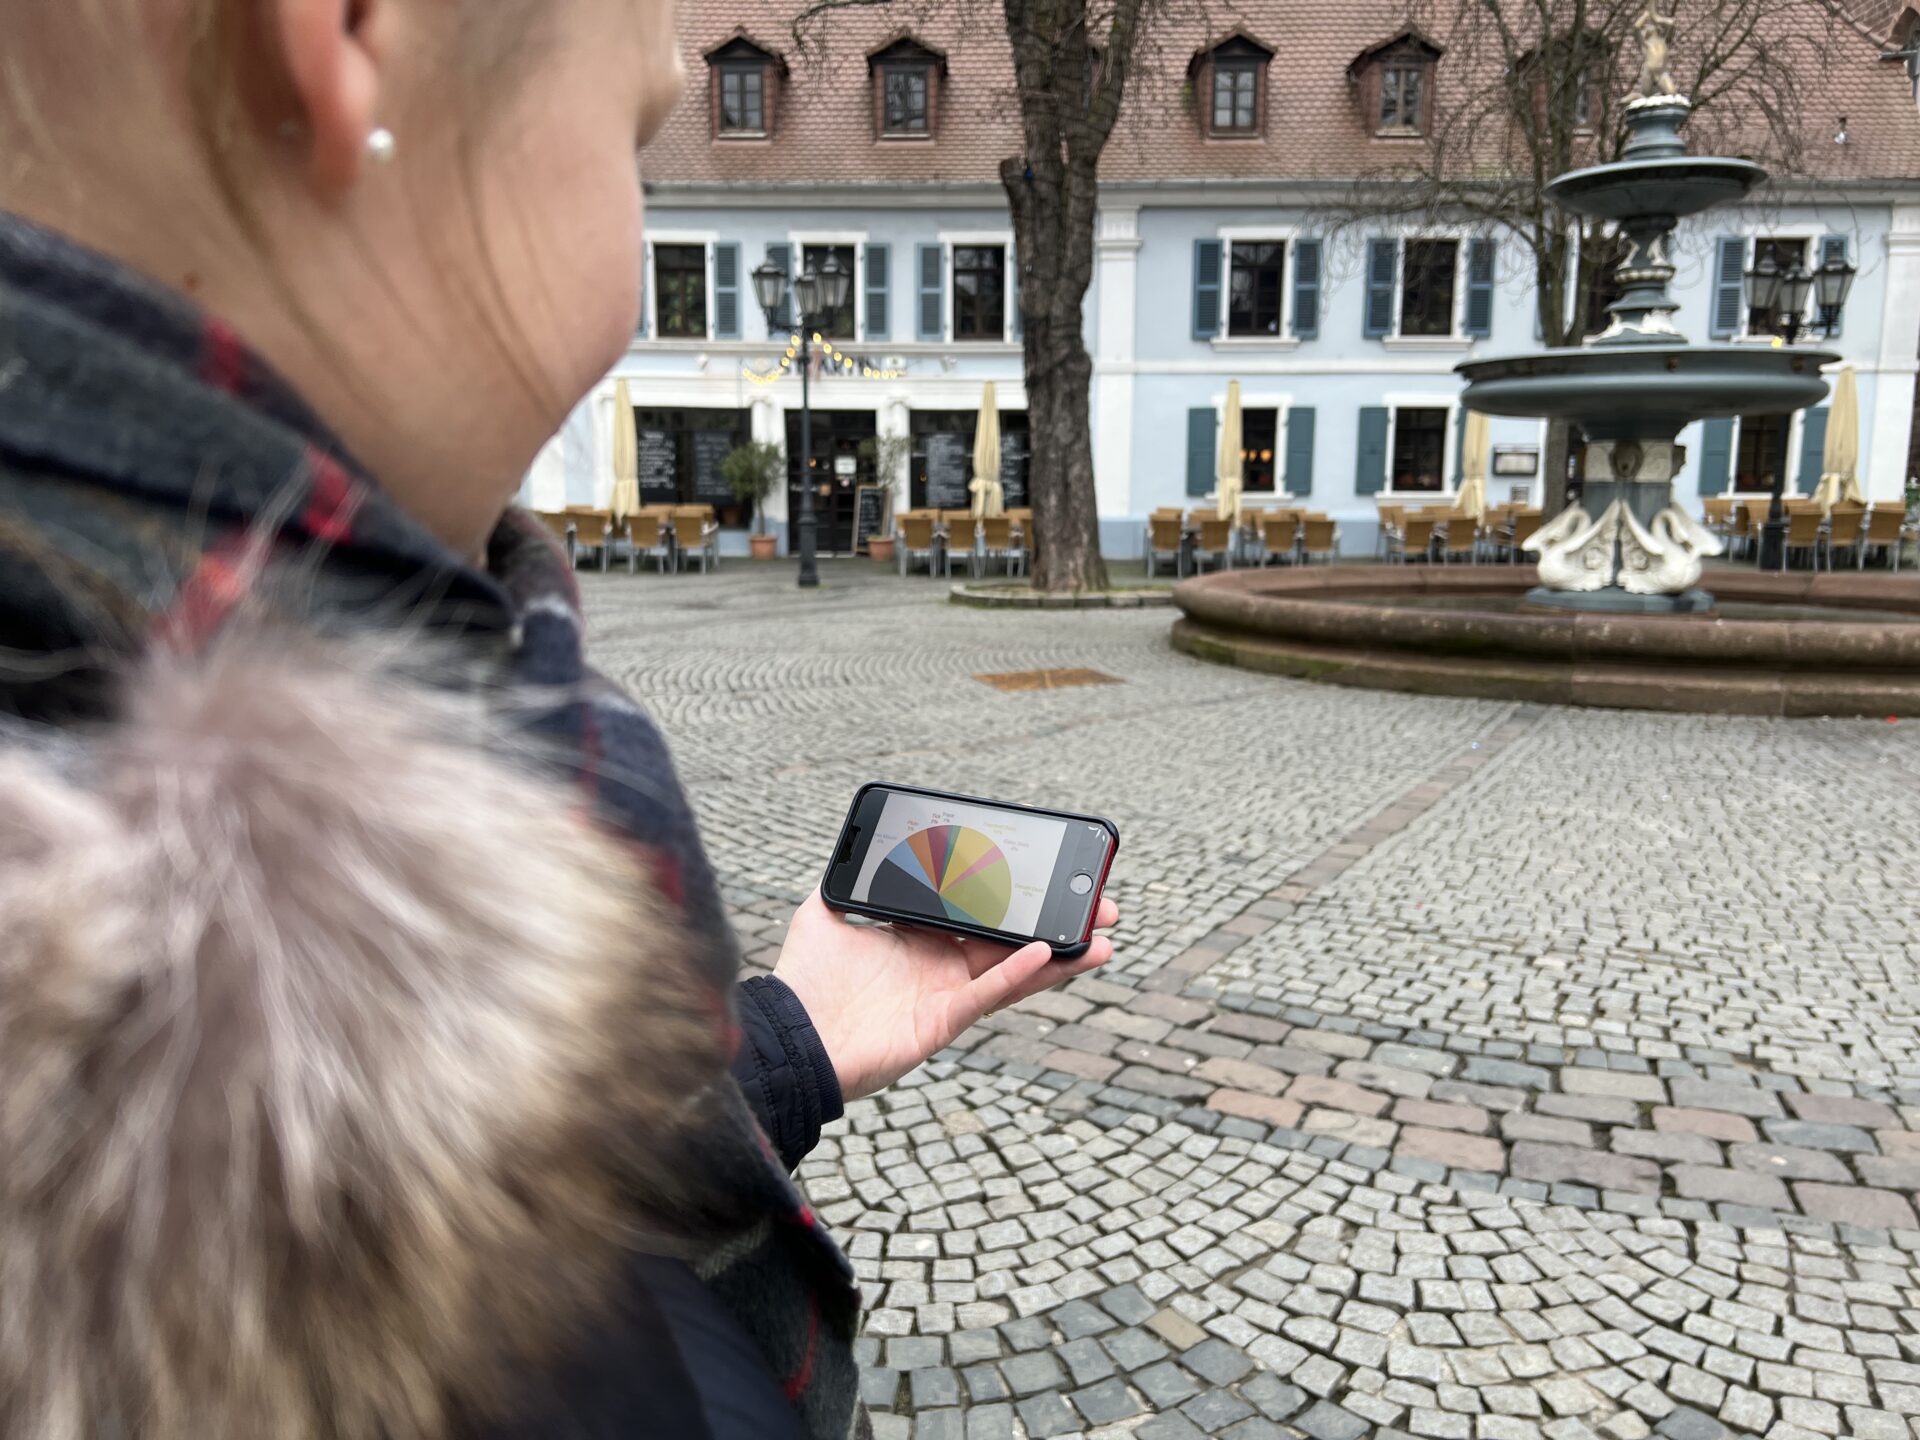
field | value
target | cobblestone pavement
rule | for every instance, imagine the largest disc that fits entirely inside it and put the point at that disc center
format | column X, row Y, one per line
column 1466, row 1070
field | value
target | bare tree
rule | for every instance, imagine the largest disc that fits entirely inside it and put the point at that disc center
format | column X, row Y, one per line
column 1529, row 89
column 1073, row 66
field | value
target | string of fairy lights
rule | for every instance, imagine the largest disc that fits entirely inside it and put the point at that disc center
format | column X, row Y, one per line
column 831, row 357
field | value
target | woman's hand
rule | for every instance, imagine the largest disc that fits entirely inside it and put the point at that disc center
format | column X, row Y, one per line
column 885, row 998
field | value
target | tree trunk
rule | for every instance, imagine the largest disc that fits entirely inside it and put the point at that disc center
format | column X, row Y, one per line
column 1553, row 469
column 1065, row 510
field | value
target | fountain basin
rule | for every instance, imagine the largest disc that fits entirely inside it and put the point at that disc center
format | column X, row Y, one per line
column 1647, row 392
column 1674, row 187
column 1792, row 644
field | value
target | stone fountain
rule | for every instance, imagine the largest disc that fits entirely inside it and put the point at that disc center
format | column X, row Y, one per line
column 1634, row 387
column 1617, row 617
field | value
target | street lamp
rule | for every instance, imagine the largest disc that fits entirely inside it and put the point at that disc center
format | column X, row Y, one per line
column 1781, row 295
column 816, row 294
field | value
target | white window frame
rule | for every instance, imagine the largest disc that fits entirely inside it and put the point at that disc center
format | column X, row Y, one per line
column 707, row 239
column 949, row 240
column 1458, row 339
column 1281, row 402
column 1790, row 490
column 1449, row 457
column 800, row 239
column 1809, row 240
column 1262, row 234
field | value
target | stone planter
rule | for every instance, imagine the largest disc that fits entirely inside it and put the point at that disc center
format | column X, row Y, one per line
column 880, row 547
column 763, row 546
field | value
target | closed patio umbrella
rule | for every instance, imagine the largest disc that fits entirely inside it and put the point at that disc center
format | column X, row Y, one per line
column 626, row 455
column 988, row 498
column 1474, row 451
column 1840, row 464
column 1233, row 459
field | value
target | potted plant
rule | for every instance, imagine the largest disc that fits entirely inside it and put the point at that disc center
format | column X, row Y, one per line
column 888, row 454
column 751, row 471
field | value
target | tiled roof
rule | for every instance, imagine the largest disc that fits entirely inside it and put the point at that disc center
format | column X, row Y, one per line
column 1314, row 129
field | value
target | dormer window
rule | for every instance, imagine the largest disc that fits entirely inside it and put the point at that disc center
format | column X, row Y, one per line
column 1231, row 81
column 1394, row 84
column 906, row 89
column 745, row 86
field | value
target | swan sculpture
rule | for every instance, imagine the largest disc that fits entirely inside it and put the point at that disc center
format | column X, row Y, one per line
column 1666, row 557
column 1576, row 551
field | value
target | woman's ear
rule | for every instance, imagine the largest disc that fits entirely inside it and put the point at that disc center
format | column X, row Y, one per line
column 334, row 69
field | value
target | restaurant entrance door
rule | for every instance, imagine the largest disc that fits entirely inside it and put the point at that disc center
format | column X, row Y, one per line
column 839, row 469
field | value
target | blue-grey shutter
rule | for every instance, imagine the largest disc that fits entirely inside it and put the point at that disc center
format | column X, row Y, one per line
column 726, row 292
column 1013, row 291
column 646, row 284
column 1479, row 287
column 1299, row 472
column 1207, row 256
column 1381, row 257
column 1716, row 456
column 1813, row 448
column 1834, row 247
column 1202, row 427
column 1459, row 445
column 1306, row 294
column 876, row 292
column 1729, row 286
column 932, row 292
column 782, row 256
column 1370, row 459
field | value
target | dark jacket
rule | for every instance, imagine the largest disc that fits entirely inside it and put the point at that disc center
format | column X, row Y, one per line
column 366, row 1001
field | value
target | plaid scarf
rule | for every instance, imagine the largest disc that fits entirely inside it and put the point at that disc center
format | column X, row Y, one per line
column 145, row 452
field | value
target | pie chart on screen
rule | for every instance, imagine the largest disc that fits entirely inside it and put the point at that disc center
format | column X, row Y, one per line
column 946, row 869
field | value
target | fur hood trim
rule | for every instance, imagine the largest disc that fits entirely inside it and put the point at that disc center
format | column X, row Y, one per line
column 334, row 1049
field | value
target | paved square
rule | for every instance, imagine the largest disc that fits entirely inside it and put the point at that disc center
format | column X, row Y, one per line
column 1466, row 1069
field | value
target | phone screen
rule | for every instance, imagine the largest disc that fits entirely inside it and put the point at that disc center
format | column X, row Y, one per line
column 951, row 860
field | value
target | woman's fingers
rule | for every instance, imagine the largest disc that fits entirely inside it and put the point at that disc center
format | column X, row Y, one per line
column 1107, row 916
column 1004, row 982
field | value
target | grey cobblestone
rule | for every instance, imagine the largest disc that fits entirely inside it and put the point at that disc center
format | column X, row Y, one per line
column 1546, row 1036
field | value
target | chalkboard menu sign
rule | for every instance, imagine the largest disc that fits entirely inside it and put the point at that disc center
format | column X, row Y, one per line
column 949, row 468
column 869, row 514
column 710, row 449
column 659, row 472
column 1013, row 469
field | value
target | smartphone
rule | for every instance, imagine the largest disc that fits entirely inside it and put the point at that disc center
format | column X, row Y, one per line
column 975, row 867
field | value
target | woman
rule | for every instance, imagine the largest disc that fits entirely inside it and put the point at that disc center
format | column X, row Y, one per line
column 366, row 1003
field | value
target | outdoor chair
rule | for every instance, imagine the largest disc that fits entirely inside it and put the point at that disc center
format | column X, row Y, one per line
column 647, row 535
column 1163, row 540
column 560, row 524
column 1392, row 518
column 1413, row 540
column 1280, row 537
column 1215, row 544
column 592, row 530
column 696, row 536
column 1719, row 513
column 962, row 531
column 1883, row 531
column 1803, row 533
column 1846, row 528
column 1526, row 520
column 1321, row 539
column 917, row 543
column 996, row 543
column 1461, row 539
column 1740, row 531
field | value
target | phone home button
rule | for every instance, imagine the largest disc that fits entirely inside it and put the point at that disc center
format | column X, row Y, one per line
column 1081, row 883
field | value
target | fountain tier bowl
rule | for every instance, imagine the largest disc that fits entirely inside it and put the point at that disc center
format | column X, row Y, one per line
column 1628, row 189
column 1788, row 644
column 1647, row 392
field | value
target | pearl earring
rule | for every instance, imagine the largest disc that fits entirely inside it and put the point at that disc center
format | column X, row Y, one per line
column 381, row 146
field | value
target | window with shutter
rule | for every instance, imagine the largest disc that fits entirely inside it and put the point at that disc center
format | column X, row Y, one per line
column 932, row 293
column 877, row 260
column 1729, row 297
column 1201, row 423
column 726, row 292
column 1370, row 455
column 1306, row 288
column 1479, row 317
column 1299, row 471
column 1813, row 448
column 1716, row 456
column 1257, row 272
column 1206, row 288
column 1381, row 258
column 680, row 291
column 1427, row 271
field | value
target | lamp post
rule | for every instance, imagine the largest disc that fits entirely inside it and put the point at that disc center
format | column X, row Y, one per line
column 1782, row 295
column 816, row 294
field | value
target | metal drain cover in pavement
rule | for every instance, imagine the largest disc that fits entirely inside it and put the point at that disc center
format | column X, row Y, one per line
column 1047, row 679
